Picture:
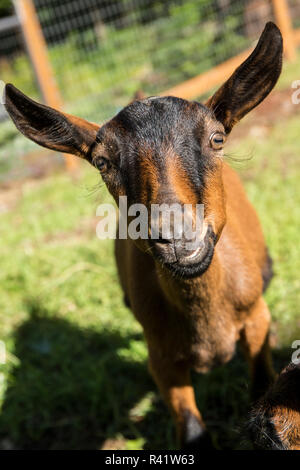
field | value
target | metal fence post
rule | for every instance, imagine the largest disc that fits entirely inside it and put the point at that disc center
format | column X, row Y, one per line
column 37, row 50
column 283, row 18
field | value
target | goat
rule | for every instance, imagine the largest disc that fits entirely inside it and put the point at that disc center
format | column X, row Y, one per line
column 193, row 307
column 275, row 420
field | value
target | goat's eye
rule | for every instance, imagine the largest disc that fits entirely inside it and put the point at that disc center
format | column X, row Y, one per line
column 102, row 164
column 217, row 140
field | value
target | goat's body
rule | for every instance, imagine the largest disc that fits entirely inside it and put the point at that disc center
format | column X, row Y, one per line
column 199, row 320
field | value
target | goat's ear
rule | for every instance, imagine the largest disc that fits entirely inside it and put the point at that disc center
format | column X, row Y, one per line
column 251, row 82
column 48, row 127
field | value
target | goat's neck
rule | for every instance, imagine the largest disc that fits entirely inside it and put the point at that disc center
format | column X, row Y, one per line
column 186, row 292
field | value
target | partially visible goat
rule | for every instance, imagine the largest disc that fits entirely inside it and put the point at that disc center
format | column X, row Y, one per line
column 275, row 419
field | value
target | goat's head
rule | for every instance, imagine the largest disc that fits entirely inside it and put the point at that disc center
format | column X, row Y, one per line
column 275, row 420
column 163, row 150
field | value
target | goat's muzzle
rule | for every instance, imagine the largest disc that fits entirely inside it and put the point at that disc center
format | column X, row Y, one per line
column 183, row 257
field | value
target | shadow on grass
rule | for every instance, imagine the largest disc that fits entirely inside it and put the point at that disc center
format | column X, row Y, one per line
column 75, row 389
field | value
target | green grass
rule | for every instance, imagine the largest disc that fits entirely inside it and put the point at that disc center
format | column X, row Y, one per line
column 76, row 373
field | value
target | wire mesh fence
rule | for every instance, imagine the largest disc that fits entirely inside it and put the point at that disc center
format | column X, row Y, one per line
column 103, row 51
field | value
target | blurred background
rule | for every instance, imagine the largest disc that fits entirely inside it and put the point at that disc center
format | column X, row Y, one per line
column 74, row 373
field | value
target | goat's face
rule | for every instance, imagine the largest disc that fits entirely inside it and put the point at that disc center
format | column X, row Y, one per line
column 167, row 151
column 275, row 420
column 163, row 150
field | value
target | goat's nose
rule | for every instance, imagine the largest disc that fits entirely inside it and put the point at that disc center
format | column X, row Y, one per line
column 164, row 240
column 187, row 250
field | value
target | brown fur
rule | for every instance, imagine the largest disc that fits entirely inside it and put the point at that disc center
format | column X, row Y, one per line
column 149, row 178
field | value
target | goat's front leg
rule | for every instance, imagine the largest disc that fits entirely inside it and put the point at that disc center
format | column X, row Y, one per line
column 174, row 383
column 255, row 343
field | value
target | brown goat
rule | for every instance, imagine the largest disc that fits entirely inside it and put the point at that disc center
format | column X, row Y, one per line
column 193, row 306
column 275, row 419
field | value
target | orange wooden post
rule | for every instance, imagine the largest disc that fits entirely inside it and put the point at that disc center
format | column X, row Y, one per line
column 37, row 49
column 284, row 22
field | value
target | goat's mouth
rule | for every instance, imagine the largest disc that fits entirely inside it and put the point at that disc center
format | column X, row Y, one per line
column 196, row 262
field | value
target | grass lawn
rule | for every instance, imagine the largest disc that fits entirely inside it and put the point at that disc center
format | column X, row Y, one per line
column 76, row 371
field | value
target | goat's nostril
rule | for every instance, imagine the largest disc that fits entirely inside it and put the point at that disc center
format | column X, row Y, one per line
column 160, row 238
